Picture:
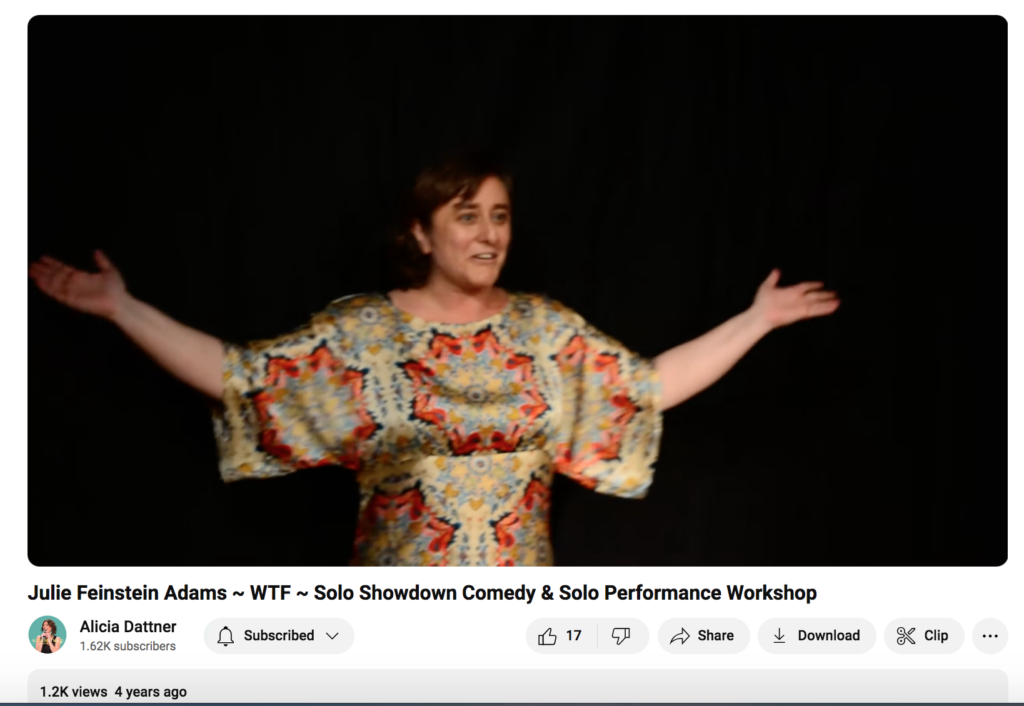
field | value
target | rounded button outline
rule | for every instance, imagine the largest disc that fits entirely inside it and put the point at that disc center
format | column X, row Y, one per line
column 681, row 636
column 548, row 636
column 225, row 636
column 916, row 639
column 790, row 627
column 990, row 626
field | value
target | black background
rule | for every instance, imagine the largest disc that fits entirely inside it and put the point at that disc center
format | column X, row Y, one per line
column 240, row 172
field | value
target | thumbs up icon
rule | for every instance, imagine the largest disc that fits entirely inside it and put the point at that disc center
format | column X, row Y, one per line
column 546, row 638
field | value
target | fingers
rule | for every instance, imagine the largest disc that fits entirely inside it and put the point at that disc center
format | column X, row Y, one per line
column 46, row 259
column 801, row 288
column 45, row 268
column 53, row 277
column 820, row 296
column 56, row 283
column 102, row 261
column 824, row 308
column 64, row 280
column 820, row 303
column 41, row 273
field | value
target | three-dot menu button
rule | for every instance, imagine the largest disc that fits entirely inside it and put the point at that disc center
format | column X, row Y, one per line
column 990, row 636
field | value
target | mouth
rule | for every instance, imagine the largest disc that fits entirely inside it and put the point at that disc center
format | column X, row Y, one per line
column 485, row 258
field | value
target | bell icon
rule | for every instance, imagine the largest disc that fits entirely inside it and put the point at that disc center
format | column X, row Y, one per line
column 225, row 637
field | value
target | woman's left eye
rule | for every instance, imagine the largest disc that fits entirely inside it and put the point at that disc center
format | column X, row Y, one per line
column 467, row 218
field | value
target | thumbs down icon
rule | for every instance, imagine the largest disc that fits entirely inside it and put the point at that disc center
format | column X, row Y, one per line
column 620, row 635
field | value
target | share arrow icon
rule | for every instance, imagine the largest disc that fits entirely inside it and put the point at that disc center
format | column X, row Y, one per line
column 682, row 636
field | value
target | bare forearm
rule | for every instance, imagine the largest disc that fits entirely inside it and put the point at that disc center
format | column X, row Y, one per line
column 695, row 365
column 194, row 357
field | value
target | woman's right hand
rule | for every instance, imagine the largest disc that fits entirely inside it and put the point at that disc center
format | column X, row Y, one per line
column 100, row 293
column 194, row 357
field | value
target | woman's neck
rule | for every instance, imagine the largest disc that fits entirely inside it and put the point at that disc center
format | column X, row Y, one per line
column 437, row 302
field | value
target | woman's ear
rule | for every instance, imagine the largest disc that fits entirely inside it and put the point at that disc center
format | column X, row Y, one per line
column 421, row 238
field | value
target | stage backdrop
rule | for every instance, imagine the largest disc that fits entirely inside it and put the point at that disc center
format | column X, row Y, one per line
column 241, row 171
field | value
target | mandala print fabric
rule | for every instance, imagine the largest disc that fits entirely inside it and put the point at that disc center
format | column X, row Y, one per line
column 454, row 431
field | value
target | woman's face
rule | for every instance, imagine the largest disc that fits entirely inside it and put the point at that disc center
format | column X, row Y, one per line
column 469, row 240
column 47, row 629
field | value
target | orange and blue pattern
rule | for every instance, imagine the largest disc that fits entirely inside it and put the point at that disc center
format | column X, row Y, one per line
column 454, row 431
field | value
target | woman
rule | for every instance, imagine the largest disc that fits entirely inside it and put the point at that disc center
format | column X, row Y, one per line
column 48, row 642
column 454, row 400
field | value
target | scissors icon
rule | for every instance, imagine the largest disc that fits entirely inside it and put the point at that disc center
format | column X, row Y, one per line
column 905, row 636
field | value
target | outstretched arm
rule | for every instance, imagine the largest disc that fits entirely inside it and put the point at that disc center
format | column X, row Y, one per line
column 694, row 366
column 194, row 357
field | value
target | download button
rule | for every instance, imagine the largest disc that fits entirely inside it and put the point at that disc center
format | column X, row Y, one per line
column 817, row 636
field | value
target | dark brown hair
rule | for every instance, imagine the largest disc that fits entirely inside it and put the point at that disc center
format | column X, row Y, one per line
column 53, row 626
column 457, row 175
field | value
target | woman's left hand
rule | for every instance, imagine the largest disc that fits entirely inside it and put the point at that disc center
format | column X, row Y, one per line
column 780, row 306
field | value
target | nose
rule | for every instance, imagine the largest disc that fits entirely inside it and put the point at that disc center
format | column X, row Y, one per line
column 489, row 233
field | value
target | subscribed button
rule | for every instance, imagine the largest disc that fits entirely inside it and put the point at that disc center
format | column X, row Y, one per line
column 924, row 636
column 234, row 636
column 817, row 636
column 704, row 636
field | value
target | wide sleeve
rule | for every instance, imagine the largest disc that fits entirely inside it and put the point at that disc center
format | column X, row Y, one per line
column 611, row 420
column 292, row 402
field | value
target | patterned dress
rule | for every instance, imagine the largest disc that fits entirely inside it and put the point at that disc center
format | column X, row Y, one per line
column 454, row 431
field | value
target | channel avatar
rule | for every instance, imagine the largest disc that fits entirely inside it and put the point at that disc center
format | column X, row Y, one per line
column 47, row 635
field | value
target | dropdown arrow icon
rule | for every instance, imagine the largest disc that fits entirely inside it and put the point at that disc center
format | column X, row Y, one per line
column 332, row 636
